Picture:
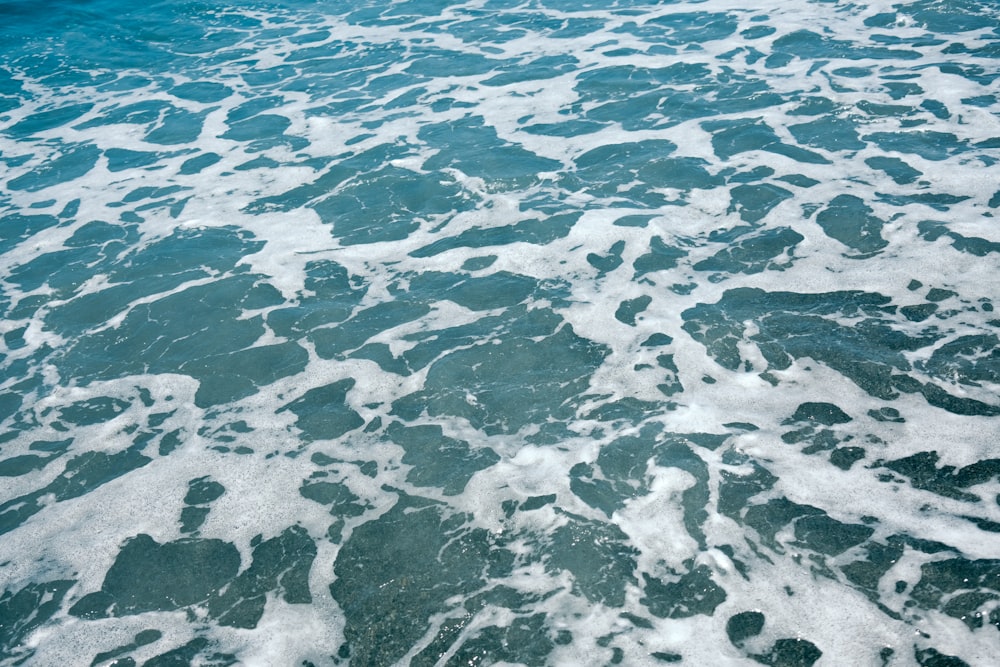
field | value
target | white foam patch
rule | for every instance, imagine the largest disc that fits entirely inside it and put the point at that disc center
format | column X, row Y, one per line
column 664, row 542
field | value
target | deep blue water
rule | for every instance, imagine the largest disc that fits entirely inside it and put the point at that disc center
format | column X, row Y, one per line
column 541, row 332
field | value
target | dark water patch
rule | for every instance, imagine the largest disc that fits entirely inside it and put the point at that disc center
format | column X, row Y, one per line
column 923, row 471
column 736, row 490
column 93, row 410
column 120, row 159
column 754, row 253
column 941, row 398
column 969, row 360
column 758, row 173
column 545, row 67
column 394, row 573
column 821, row 413
column 808, row 45
column 730, row 138
column 323, row 412
column 335, row 342
column 792, row 326
column 206, row 92
column 47, row 119
column 72, row 162
column 543, row 368
column 629, row 309
column 607, row 262
column 475, row 149
column 537, row 502
column 961, row 588
column 814, row 439
column 434, row 343
column 628, row 409
column 258, row 163
column 867, row 572
column 566, row 129
column 178, row 127
column 18, row 227
column 814, row 105
column 886, row 414
column 479, row 263
column 597, row 493
column 262, row 132
column 790, row 653
column 897, row 90
column 743, row 626
column 15, row 466
column 597, row 554
column 928, row 144
column 387, row 205
column 148, row 576
column 918, row 312
column 332, row 295
column 828, row 536
column 201, row 492
column 937, row 108
column 681, row 173
column 142, row 638
column 984, row 101
column 524, row 641
column 657, row 339
column 660, row 257
column 343, row 502
column 64, row 271
column 638, row 168
column 159, row 267
column 685, row 28
column 753, row 202
column 631, row 157
column 228, row 366
column 937, row 294
column 437, row 460
column 198, row 650
column 25, row 610
column 849, row 220
column 538, row 231
column 831, row 134
column 937, row 201
column 145, row 113
column 692, row 593
column 500, row 289
column 845, row 457
column 280, row 566
column 986, row 525
column 771, row 517
column 933, row 230
column 625, row 82
column 192, row 518
column 432, row 62
column 150, row 192
column 931, row 657
column 963, row 16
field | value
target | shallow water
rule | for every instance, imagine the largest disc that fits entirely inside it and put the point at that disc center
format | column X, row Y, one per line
column 546, row 333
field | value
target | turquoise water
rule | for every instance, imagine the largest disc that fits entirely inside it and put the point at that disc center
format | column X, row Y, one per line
column 537, row 332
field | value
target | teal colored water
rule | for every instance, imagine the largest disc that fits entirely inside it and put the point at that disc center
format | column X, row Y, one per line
column 534, row 332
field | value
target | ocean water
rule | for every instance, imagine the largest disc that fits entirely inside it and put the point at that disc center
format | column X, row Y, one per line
column 499, row 332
